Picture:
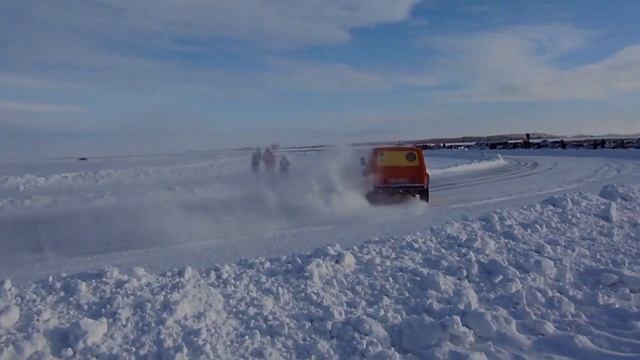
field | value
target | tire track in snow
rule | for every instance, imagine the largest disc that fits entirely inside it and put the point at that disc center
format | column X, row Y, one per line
column 514, row 169
column 545, row 168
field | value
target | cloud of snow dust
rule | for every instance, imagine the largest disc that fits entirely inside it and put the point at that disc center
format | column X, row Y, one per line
column 320, row 187
column 122, row 205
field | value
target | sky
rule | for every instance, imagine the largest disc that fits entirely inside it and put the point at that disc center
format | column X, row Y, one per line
column 84, row 77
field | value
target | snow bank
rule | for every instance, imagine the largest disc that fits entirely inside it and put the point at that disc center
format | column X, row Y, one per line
column 555, row 278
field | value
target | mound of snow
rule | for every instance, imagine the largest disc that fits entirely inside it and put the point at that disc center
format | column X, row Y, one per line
column 87, row 332
column 556, row 281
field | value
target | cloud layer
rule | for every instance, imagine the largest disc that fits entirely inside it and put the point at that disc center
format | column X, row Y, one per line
column 277, row 23
column 148, row 72
column 524, row 64
column 39, row 107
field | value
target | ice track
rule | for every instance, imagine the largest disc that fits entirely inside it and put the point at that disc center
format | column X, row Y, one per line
column 523, row 178
column 203, row 209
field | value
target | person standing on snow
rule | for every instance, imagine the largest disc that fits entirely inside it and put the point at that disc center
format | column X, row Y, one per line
column 284, row 165
column 269, row 159
column 255, row 160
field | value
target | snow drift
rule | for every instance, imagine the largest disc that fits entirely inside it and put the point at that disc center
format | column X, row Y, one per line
column 559, row 278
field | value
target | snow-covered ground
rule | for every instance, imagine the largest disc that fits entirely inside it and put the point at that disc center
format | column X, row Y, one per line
column 69, row 215
column 527, row 253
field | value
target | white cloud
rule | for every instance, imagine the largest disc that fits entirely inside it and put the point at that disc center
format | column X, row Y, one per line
column 521, row 64
column 337, row 78
column 621, row 71
column 9, row 105
column 71, row 28
column 33, row 82
column 322, row 77
column 281, row 23
column 423, row 81
column 113, row 44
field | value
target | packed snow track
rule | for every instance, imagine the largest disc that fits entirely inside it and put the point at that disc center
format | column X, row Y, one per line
column 198, row 209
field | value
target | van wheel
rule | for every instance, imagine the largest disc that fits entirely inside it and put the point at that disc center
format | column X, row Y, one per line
column 424, row 195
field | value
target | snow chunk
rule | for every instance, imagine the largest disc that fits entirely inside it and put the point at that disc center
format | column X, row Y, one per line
column 609, row 213
column 458, row 334
column 561, row 303
column 67, row 353
column 386, row 354
column 541, row 327
column 496, row 267
column 613, row 193
column 543, row 248
column 481, row 323
column 372, row 328
column 9, row 316
column 608, row 279
column 435, row 281
column 201, row 299
column 6, row 285
column 140, row 275
column 327, row 261
column 543, row 266
column 560, row 202
column 87, row 332
column 418, row 334
column 534, row 298
column 346, row 260
column 111, row 273
column 464, row 297
column 188, row 273
column 492, row 223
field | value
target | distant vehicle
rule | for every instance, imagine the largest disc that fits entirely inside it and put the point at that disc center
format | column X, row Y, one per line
column 395, row 173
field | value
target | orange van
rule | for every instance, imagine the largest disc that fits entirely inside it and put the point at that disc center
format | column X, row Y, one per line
column 398, row 170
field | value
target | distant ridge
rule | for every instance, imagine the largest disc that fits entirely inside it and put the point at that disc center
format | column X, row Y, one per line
column 465, row 139
column 636, row 135
column 498, row 138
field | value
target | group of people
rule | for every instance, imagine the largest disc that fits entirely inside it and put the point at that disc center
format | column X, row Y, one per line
column 268, row 158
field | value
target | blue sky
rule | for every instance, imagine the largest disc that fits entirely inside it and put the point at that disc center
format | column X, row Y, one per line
column 113, row 76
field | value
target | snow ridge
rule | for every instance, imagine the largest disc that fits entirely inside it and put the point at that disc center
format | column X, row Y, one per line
column 559, row 278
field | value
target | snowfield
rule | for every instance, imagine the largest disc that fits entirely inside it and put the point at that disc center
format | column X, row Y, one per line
column 524, row 255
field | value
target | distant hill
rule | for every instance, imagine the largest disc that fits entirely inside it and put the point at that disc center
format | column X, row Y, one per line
column 605, row 136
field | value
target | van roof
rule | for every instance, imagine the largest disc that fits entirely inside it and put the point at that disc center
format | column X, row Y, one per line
column 397, row 148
